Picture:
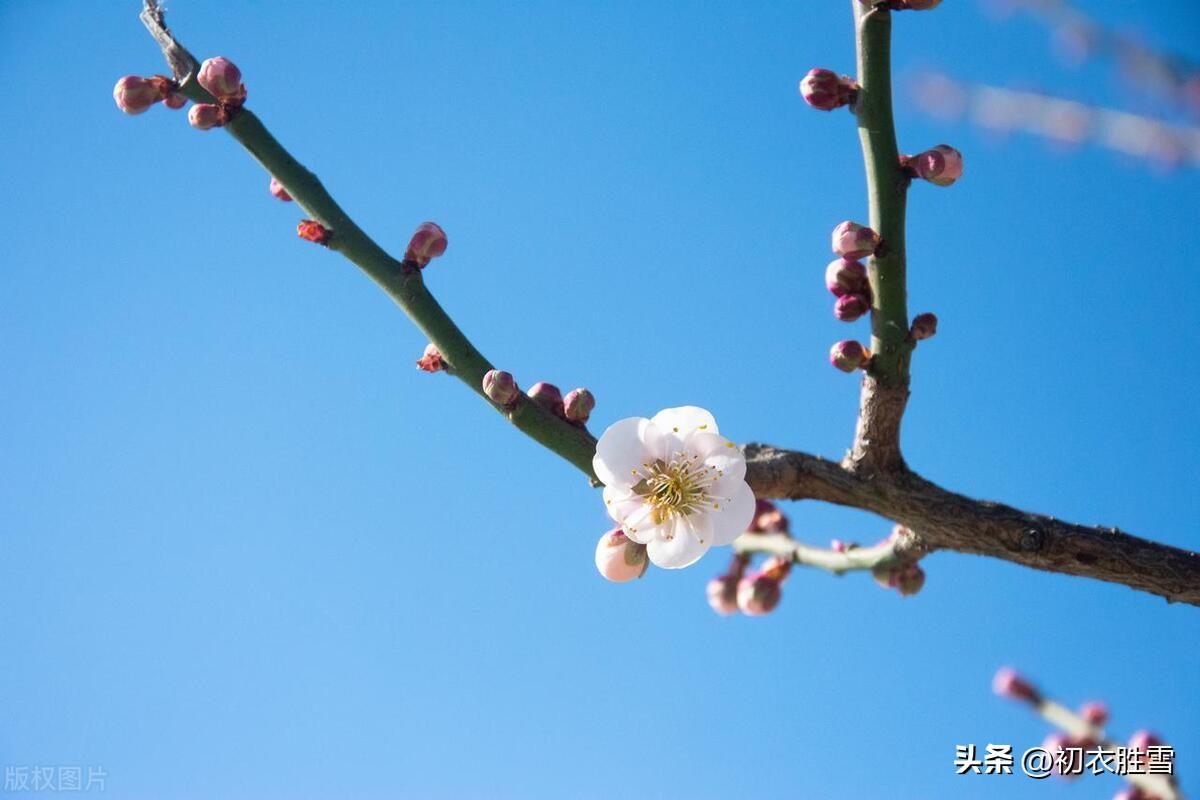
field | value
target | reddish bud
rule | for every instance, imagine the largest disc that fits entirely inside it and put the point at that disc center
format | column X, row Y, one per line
column 1008, row 683
column 431, row 360
column 942, row 165
column 1094, row 713
column 758, row 594
column 619, row 558
column 578, row 405
column 313, row 231
column 838, row 546
column 851, row 240
column 276, row 189
column 850, row 307
column 846, row 276
column 426, row 244
column 221, row 78
column 205, row 116
column 722, row 594
column 548, row 396
column 923, row 326
column 825, row 91
column 767, row 518
column 500, row 387
column 905, row 577
column 1143, row 740
column 920, row 5
column 848, row 355
column 134, row 94
column 174, row 101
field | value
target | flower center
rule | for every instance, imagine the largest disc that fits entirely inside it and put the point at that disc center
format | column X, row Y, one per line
column 676, row 488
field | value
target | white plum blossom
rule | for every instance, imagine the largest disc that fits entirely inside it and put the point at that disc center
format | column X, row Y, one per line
column 674, row 484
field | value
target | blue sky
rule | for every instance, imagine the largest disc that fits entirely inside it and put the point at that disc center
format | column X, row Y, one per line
column 250, row 551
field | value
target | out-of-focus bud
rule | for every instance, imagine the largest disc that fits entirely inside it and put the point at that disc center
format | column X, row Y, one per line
column 838, row 546
column 500, row 387
column 942, row 165
column 722, row 594
column 768, row 518
column 1143, row 740
column 135, row 94
column 825, row 90
column 848, row 355
column 1094, row 713
column 578, row 405
column 426, row 244
column 850, row 307
column 548, row 396
column 777, row 567
column 920, row 5
column 758, row 594
column 276, row 189
column 1131, row 793
column 221, row 78
column 846, row 276
column 313, row 231
column 1008, row 683
column 905, row 577
column 851, row 240
column 174, row 101
column 923, row 326
column 619, row 558
column 431, row 360
column 205, row 116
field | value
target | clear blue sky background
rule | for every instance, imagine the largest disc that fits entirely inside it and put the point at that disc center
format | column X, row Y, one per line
column 250, row 552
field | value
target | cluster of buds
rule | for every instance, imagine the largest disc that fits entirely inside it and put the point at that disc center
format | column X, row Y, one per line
column 902, row 574
column 427, row 243
column 753, row 592
column 619, row 558
column 902, row 5
column 223, row 80
column 135, row 94
column 576, row 407
column 846, row 278
column 825, row 90
column 432, row 361
column 941, row 166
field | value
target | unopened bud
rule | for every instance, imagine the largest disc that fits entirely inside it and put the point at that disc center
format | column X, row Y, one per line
column 174, row 101
column 1094, row 713
column 1008, row 683
column 313, row 231
column 221, row 78
column 135, row 94
column 426, row 244
column 758, row 594
column 923, row 326
column 767, row 518
column 920, row 5
column 722, row 594
column 578, row 405
column 277, row 190
column 942, row 165
column 500, row 387
column 548, row 396
column 850, row 307
column 619, row 558
column 851, row 240
column 205, row 116
column 905, row 577
column 1143, row 740
column 431, row 360
column 846, row 276
column 825, row 90
column 848, row 355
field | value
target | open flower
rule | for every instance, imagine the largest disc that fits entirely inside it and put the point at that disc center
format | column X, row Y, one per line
column 674, row 484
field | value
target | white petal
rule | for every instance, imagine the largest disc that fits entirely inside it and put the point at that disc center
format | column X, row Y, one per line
column 731, row 518
column 683, row 421
column 681, row 550
column 623, row 448
column 638, row 526
column 719, row 452
column 620, row 503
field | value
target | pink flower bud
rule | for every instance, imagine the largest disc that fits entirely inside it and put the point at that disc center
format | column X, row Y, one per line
column 205, row 116
column 426, row 244
column 548, row 396
column 905, row 577
column 1008, row 683
column 134, row 94
column 431, row 360
column 920, row 5
column 923, row 326
column 838, row 546
column 824, row 90
column 1094, row 713
column 277, row 190
column 1143, row 740
column 848, row 355
column 722, row 594
column 846, row 276
column 851, row 240
column 758, row 594
column 619, row 558
column 500, row 387
column 174, row 101
column 221, row 78
column 942, row 165
column 850, row 307
column 578, row 405
column 767, row 518
column 1132, row 793
column 313, row 231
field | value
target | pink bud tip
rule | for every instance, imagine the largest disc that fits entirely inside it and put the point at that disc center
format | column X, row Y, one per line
column 548, row 396
column 277, row 190
column 313, row 231
column 500, row 387
column 942, row 165
column 846, row 276
column 722, row 594
column 1142, row 740
column 758, row 594
column 920, row 5
column 851, row 240
column 924, row 326
column 619, row 558
column 431, row 360
column 578, row 405
column 1008, row 683
column 1094, row 713
column 426, row 244
column 825, row 91
column 848, row 355
column 838, row 546
column 221, row 78
column 134, row 94
column 850, row 307
column 205, row 116
column 767, row 518
column 174, row 101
